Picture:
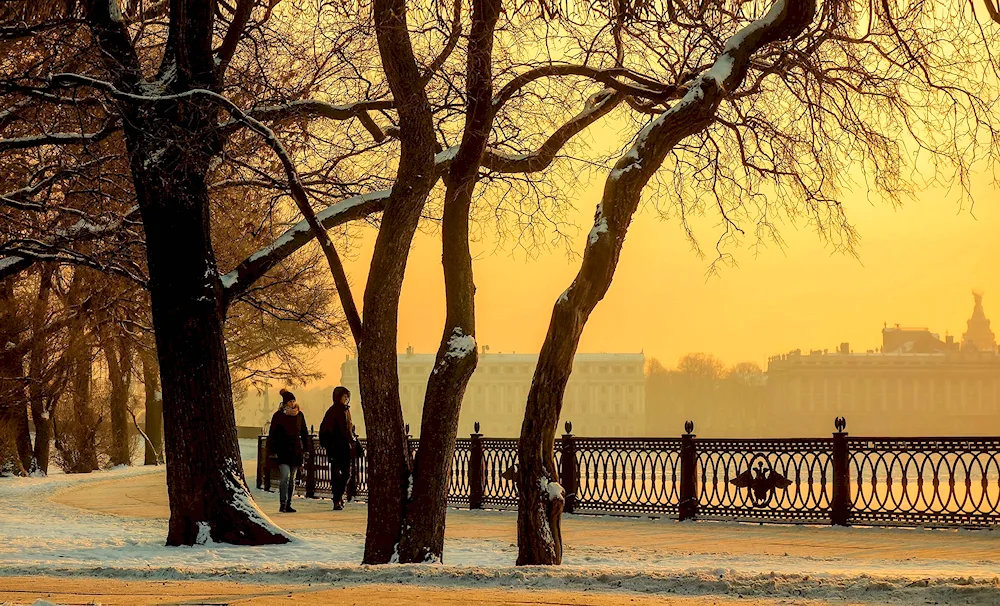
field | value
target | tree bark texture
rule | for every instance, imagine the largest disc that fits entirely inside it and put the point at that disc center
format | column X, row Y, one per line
column 80, row 359
column 541, row 499
column 118, row 353
column 205, row 482
column 41, row 415
column 154, row 408
column 423, row 538
column 15, row 450
column 388, row 451
column 171, row 143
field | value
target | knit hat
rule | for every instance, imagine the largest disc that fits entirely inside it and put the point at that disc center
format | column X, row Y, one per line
column 286, row 396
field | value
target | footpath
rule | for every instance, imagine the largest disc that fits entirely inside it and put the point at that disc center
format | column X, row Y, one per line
column 99, row 539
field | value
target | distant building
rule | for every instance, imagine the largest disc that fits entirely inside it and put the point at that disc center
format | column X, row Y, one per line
column 913, row 340
column 979, row 336
column 916, row 385
column 605, row 395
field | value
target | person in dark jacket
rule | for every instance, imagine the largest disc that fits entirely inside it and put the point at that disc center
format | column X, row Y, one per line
column 336, row 435
column 286, row 441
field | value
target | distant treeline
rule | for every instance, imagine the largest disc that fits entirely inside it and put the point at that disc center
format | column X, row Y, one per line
column 723, row 401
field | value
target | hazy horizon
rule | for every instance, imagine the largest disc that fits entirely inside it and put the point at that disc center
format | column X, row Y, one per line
column 916, row 265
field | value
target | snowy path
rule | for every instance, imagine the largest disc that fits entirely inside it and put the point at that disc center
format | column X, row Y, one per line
column 40, row 534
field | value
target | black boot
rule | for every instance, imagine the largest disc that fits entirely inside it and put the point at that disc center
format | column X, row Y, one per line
column 282, row 508
column 288, row 508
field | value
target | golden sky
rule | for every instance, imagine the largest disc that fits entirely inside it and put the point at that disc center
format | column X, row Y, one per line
column 917, row 266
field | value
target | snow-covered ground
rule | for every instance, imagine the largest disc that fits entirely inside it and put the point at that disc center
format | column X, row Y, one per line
column 42, row 536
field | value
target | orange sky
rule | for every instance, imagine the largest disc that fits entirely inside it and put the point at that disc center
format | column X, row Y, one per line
column 917, row 267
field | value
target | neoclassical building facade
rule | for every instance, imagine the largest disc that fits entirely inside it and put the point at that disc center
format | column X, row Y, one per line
column 916, row 384
column 605, row 395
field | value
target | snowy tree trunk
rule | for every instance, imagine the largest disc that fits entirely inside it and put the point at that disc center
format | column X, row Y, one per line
column 423, row 537
column 388, row 451
column 541, row 499
column 38, row 357
column 171, row 143
column 208, row 495
column 154, row 408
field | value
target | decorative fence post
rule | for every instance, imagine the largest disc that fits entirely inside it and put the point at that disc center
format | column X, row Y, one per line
column 261, row 460
column 311, row 466
column 477, row 475
column 688, row 506
column 840, row 508
column 570, row 474
column 267, row 466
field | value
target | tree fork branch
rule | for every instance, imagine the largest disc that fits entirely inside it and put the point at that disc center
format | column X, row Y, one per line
column 423, row 537
column 539, row 541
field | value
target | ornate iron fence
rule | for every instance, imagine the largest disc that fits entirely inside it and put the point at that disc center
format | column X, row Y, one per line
column 806, row 463
column 925, row 481
column 842, row 480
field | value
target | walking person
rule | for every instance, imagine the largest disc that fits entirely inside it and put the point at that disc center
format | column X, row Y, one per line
column 287, row 439
column 337, row 437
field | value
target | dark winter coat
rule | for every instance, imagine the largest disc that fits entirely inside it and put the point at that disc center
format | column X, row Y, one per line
column 288, row 438
column 335, row 433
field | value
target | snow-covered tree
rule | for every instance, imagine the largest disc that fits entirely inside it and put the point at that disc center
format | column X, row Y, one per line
column 764, row 112
column 154, row 83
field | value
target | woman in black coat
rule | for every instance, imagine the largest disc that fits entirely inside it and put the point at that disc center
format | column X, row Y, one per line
column 337, row 438
column 286, row 441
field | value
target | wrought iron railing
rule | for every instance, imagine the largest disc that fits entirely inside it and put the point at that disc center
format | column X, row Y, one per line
column 842, row 480
column 925, row 481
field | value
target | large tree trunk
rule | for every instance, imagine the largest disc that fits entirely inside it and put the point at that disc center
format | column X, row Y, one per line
column 388, row 451
column 423, row 538
column 171, row 143
column 37, row 369
column 207, row 490
column 541, row 498
column 118, row 354
column 154, row 408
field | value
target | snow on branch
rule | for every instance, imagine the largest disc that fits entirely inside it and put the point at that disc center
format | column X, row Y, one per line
column 42, row 140
column 55, row 249
column 16, row 260
column 256, row 265
column 598, row 106
column 551, row 490
column 49, row 175
column 692, row 114
column 641, row 86
column 460, row 344
column 247, row 272
column 785, row 19
column 250, row 270
column 306, row 108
